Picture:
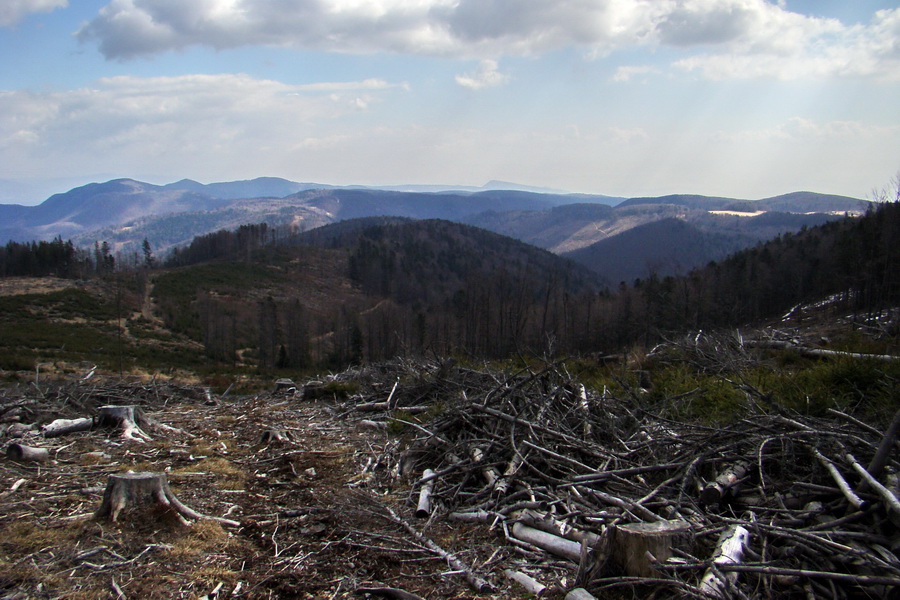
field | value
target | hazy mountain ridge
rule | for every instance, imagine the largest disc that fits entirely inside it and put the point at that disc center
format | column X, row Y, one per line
column 124, row 212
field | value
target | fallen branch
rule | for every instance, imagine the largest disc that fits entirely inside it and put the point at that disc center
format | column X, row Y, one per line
column 477, row 583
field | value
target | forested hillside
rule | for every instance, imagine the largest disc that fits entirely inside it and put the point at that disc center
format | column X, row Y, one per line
column 364, row 290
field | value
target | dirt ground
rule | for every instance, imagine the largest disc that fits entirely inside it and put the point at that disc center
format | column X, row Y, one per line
column 311, row 508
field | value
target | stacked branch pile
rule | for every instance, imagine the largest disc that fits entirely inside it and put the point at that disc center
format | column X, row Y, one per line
column 605, row 494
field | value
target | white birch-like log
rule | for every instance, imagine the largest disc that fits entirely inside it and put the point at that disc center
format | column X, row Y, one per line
column 729, row 551
column 579, row 594
column 891, row 503
column 531, row 585
column 639, row 545
column 423, row 510
column 546, row 541
column 22, row 453
column 66, row 426
column 842, row 484
column 548, row 524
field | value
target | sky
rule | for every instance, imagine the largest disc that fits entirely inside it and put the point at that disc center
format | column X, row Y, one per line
column 738, row 98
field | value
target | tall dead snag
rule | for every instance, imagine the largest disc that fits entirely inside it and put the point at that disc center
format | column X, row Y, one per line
column 129, row 419
column 725, row 484
column 729, row 551
column 635, row 541
column 130, row 489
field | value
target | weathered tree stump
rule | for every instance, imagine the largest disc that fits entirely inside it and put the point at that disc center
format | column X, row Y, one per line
column 129, row 419
column 274, row 435
column 634, row 541
column 147, row 489
column 285, row 386
column 21, row 453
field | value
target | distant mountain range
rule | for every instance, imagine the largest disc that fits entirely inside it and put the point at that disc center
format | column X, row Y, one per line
column 618, row 238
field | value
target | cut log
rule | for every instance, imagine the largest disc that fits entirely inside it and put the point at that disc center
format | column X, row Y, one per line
column 135, row 490
column 729, row 551
column 548, row 524
column 725, row 484
column 531, row 585
column 386, row 592
column 638, row 546
column 423, row 510
column 579, row 594
column 21, row 453
column 66, row 426
column 546, row 541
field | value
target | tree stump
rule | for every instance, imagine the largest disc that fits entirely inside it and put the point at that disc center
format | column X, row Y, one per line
column 634, row 541
column 147, row 489
column 129, row 419
column 21, row 453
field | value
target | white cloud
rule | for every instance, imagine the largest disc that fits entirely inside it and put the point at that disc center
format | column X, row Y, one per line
column 626, row 73
column 722, row 38
column 486, row 75
column 800, row 129
column 127, row 122
column 13, row 11
column 787, row 46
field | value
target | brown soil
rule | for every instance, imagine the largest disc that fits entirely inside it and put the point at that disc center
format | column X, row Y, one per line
column 310, row 508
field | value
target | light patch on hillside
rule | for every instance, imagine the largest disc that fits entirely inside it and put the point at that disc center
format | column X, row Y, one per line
column 736, row 213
